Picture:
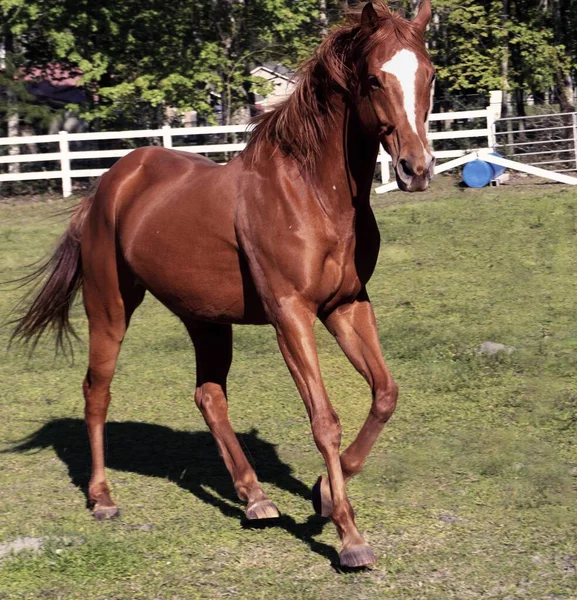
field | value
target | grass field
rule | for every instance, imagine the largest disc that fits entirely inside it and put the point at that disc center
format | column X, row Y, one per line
column 469, row 493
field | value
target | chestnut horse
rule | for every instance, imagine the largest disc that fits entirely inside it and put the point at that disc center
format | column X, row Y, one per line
column 281, row 235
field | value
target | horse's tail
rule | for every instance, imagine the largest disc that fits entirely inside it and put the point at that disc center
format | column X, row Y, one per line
column 58, row 280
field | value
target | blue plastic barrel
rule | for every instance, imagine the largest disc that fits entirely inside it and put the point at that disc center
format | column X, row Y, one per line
column 479, row 173
column 497, row 169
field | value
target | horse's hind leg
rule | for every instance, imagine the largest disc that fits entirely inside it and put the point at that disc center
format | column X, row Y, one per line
column 213, row 347
column 110, row 298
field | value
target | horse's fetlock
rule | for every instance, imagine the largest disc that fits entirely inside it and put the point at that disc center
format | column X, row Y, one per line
column 248, row 489
column 98, row 490
column 343, row 513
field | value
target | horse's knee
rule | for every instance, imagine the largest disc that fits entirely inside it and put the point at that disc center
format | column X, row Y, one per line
column 97, row 379
column 327, row 430
column 385, row 401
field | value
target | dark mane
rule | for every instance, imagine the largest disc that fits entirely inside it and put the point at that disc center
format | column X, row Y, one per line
column 300, row 125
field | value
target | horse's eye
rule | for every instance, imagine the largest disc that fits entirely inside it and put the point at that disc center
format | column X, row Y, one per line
column 374, row 82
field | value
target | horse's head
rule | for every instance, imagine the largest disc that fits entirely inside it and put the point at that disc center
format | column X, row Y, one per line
column 395, row 85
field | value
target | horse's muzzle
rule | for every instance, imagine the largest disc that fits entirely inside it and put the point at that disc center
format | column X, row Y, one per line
column 414, row 175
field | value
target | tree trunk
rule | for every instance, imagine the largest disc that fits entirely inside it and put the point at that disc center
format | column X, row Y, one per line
column 505, row 60
column 520, row 102
column 323, row 20
column 13, row 130
column 12, row 117
column 505, row 72
column 564, row 83
column 564, row 91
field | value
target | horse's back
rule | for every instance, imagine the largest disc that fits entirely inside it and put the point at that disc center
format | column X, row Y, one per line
column 154, row 164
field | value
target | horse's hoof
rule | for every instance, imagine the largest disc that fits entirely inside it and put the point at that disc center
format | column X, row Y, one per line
column 105, row 513
column 357, row 557
column 321, row 505
column 265, row 509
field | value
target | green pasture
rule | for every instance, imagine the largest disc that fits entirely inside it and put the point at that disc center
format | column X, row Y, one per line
column 469, row 493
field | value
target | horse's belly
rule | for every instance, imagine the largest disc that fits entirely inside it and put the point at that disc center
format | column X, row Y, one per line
column 207, row 289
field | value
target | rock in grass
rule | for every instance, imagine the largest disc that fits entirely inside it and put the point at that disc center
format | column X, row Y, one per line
column 492, row 348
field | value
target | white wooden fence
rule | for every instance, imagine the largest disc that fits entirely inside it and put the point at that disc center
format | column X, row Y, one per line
column 66, row 156
column 484, row 138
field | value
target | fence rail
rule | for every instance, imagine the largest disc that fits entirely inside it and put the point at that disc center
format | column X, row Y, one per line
column 535, row 140
column 484, row 138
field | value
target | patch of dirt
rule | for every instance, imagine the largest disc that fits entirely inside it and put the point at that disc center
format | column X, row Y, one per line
column 37, row 544
column 19, row 544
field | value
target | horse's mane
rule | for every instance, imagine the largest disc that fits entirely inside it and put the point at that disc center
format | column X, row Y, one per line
column 300, row 125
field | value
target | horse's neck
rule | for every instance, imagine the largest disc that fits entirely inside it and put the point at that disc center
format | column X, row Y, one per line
column 346, row 168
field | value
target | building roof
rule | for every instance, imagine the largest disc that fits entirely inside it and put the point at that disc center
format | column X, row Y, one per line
column 277, row 70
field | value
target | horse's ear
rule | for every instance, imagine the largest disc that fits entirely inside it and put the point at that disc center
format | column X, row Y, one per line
column 369, row 18
column 423, row 16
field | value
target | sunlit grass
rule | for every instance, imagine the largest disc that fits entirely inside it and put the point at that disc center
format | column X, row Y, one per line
column 469, row 493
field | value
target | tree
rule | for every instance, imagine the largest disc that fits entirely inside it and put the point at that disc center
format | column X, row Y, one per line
column 17, row 105
column 137, row 57
column 518, row 46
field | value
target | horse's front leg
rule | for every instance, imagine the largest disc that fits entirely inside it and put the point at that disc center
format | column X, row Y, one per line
column 355, row 329
column 293, row 321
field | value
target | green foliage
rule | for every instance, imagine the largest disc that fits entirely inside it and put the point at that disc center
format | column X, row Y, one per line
column 139, row 57
column 536, row 58
column 469, row 50
column 470, row 40
column 17, row 100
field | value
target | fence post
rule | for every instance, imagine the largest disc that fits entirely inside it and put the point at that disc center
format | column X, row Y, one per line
column 65, row 164
column 166, row 136
column 493, row 113
column 385, row 171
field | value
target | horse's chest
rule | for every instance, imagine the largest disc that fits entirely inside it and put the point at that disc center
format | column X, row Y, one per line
column 340, row 281
column 300, row 248
column 351, row 262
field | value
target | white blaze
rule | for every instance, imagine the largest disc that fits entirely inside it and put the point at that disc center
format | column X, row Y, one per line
column 404, row 66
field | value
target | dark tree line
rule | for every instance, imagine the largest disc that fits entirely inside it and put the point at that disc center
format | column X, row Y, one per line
column 137, row 58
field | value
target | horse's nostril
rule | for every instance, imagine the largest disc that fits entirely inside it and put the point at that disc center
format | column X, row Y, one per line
column 407, row 170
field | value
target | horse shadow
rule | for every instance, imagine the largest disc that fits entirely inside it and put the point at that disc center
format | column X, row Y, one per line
column 188, row 459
